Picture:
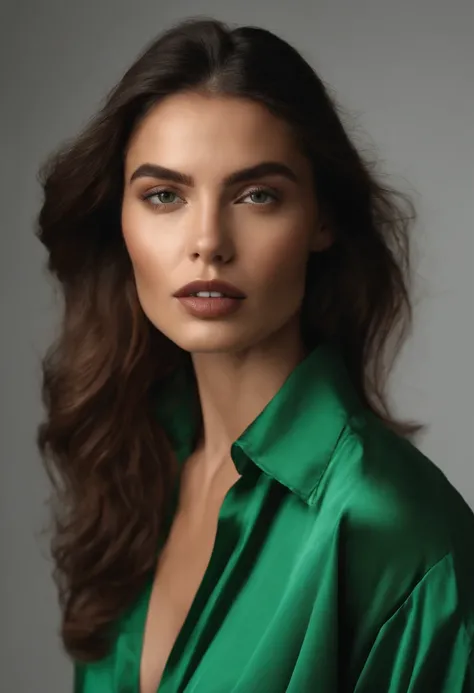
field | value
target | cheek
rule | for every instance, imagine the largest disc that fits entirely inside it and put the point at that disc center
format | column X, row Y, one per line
column 147, row 269
column 151, row 261
column 151, row 281
column 282, row 266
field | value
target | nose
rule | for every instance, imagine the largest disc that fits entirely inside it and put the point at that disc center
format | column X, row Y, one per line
column 210, row 237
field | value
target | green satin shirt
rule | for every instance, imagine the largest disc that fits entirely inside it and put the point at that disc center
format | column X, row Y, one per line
column 343, row 561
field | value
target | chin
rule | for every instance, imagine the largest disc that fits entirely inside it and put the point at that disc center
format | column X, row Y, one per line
column 217, row 340
column 208, row 346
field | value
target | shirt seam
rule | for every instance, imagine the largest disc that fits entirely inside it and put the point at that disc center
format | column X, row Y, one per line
column 344, row 433
column 418, row 584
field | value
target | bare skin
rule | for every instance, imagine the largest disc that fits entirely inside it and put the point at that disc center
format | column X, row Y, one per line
column 182, row 565
column 210, row 231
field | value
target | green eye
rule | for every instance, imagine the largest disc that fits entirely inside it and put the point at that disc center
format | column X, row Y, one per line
column 258, row 193
column 163, row 197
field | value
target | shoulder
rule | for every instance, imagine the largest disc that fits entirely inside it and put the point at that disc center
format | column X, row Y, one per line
column 401, row 522
column 396, row 491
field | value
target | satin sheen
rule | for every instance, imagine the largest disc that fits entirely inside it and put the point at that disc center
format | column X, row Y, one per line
column 343, row 561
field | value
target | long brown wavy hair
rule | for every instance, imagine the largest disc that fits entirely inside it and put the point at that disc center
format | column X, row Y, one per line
column 108, row 459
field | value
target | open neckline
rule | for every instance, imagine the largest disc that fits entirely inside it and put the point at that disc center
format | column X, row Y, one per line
column 198, row 601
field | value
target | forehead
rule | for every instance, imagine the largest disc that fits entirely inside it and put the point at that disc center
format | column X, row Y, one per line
column 211, row 130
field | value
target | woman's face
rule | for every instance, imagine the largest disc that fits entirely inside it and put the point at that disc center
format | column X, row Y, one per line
column 256, row 233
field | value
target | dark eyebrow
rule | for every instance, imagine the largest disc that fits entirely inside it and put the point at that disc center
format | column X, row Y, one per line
column 265, row 168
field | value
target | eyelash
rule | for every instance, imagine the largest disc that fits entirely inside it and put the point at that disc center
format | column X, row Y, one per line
column 271, row 193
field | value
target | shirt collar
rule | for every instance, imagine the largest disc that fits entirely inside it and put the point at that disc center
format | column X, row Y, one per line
column 294, row 436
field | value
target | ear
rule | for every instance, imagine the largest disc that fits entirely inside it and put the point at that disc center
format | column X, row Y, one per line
column 322, row 239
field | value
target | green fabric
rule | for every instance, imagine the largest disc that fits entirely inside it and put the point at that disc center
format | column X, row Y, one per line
column 343, row 562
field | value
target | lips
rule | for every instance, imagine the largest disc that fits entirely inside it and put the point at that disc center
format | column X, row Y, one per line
column 222, row 287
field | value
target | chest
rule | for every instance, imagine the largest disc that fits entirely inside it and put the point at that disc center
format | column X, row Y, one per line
column 181, row 567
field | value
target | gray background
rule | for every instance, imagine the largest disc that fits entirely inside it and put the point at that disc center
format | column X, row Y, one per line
column 404, row 72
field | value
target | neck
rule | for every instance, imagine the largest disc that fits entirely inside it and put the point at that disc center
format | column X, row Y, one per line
column 234, row 387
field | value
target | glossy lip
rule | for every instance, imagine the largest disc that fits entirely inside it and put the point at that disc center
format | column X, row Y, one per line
column 210, row 307
column 225, row 288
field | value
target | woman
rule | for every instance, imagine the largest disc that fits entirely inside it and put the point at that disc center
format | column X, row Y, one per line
column 238, row 511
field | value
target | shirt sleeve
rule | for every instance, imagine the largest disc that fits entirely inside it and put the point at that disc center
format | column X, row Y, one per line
column 427, row 644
